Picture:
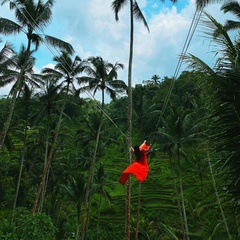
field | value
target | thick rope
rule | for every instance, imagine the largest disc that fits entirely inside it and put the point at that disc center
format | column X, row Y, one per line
column 192, row 29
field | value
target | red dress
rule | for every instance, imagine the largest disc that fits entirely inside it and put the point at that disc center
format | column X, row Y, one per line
column 138, row 168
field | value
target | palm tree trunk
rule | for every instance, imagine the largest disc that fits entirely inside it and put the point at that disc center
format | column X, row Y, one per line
column 88, row 187
column 45, row 170
column 182, row 196
column 78, row 220
column 217, row 196
column 128, row 193
column 91, row 175
column 138, row 210
column 177, row 197
column 9, row 118
column 99, row 215
column 45, row 163
column 20, row 170
column 46, row 167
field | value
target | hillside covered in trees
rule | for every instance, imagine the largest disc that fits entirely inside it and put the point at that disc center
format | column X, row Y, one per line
column 184, row 172
column 61, row 154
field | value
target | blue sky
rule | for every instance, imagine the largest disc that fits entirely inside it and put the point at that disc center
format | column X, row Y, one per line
column 91, row 28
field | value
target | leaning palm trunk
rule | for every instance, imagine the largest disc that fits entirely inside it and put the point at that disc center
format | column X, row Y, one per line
column 12, row 106
column 217, row 196
column 20, row 170
column 88, row 187
column 182, row 196
column 9, row 119
column 177, row 196
column 43, row 183
column 91, row 175
column 14, row 96
column 45, row 163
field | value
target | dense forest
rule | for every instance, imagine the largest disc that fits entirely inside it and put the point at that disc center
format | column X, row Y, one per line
column 61, row 154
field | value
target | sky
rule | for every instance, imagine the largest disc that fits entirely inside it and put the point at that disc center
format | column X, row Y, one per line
column 91, row 28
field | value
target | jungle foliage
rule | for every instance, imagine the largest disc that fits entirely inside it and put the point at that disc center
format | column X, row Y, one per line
column 181, row 154
column 61, row 154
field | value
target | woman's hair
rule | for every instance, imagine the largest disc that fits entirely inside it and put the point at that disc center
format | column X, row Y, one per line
column 137, row 152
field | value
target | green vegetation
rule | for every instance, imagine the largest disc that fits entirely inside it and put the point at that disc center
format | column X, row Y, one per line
column 61, row 155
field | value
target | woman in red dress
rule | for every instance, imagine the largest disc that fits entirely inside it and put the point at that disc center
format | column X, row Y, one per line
column 139, row 168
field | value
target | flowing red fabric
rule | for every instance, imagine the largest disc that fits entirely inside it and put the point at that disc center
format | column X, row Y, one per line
column 138, row 169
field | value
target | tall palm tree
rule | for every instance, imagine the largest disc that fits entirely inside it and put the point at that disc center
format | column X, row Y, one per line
column 137, row 13
column 101, row 75
column 100, row 188
column 30, row 17
column 50, row 100
column 66, row 71
column 26, row 101
column 25, row 84
column 179, row 129
column 5, row 63
column 75, row 191
column 18, row 78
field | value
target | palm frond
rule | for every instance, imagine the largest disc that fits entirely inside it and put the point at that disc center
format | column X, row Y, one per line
column 9, row 27
column 216, row 31
column 139, row 15
column 232, row 7
column 232, row 25
column 62, row 45
column 117, row 5
column 197, row 64
column 203, row 3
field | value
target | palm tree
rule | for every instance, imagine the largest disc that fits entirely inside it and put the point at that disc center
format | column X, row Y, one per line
column 101, row 75
column 5, row 54
column 100, row 188
column 154, row 81
column 19, row 78
column 26, row 101
column 66, row 70
column 75, row 191
column 30, row 17
column 5, row 63
column 179, row 129
column 134, row 12
column 50, row 99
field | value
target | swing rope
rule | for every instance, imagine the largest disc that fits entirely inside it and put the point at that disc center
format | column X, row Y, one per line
column 192, row 29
